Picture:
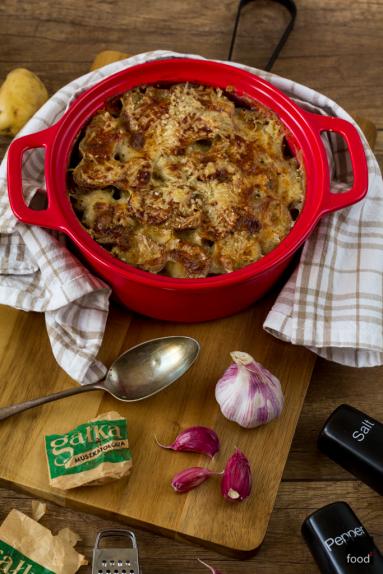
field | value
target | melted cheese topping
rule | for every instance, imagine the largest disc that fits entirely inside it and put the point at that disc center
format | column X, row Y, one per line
column 185, row 181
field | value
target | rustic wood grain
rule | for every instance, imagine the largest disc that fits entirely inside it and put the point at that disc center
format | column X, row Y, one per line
column 147, row 499
column 282, row 551
column 335, row 48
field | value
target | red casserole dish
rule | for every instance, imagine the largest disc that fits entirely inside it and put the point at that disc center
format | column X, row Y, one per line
column 189, row 300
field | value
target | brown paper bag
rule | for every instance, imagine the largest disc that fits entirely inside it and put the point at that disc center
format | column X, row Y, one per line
column 28, row 547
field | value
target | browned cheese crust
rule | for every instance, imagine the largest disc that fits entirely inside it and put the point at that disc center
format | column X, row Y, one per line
column 185, row 180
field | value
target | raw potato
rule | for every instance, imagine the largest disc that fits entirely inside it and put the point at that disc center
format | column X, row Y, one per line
column 21, row 95
column 107, row 57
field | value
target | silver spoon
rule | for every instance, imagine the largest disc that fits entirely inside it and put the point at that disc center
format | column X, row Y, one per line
column 140, row 372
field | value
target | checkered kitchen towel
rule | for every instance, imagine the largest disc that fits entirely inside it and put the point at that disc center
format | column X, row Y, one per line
column 331, row 304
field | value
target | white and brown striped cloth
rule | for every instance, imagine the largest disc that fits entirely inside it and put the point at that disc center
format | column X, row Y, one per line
column 332, row 303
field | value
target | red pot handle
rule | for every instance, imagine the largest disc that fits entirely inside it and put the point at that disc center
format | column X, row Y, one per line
column 51, row 216
column 333, row 201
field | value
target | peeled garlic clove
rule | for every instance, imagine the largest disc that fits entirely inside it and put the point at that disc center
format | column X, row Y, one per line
column 236, row 480
column 195, row 439
column 213, row 570
column 248, row 393
column 190, row 478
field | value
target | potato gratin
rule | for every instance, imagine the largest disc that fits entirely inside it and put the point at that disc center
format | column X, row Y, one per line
column 185, row 181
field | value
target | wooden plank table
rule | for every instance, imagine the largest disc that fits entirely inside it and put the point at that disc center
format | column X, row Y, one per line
column 334, row 48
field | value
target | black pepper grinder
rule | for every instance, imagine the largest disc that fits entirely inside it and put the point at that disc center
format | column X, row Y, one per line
column 339, row 542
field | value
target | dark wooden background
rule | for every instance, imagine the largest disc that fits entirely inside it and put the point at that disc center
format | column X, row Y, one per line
column 336, row 47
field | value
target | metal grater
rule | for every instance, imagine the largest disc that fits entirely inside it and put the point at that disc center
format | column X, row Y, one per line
column 116, row 560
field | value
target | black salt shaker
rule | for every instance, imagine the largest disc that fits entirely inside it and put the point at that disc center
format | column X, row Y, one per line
column 340, row 543
column 355, row 441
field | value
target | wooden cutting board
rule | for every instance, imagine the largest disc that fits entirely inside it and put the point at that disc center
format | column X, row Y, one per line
column 28, row 370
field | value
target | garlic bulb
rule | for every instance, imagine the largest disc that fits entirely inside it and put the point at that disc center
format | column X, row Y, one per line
column 247, row 393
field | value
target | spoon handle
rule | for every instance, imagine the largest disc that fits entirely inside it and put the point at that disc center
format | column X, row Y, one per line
column 6, row 412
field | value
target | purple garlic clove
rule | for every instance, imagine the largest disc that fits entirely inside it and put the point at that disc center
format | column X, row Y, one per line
column 236, row 480
column 213, row 570
column 195, row 439
column 190, row 478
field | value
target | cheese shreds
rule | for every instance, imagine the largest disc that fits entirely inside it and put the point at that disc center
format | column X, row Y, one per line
column 185, row 180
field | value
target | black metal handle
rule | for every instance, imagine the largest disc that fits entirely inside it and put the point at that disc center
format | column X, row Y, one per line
column 290, row 6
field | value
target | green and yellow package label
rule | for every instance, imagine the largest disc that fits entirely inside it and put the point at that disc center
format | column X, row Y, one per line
column 14, row 562
column 87, row 446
